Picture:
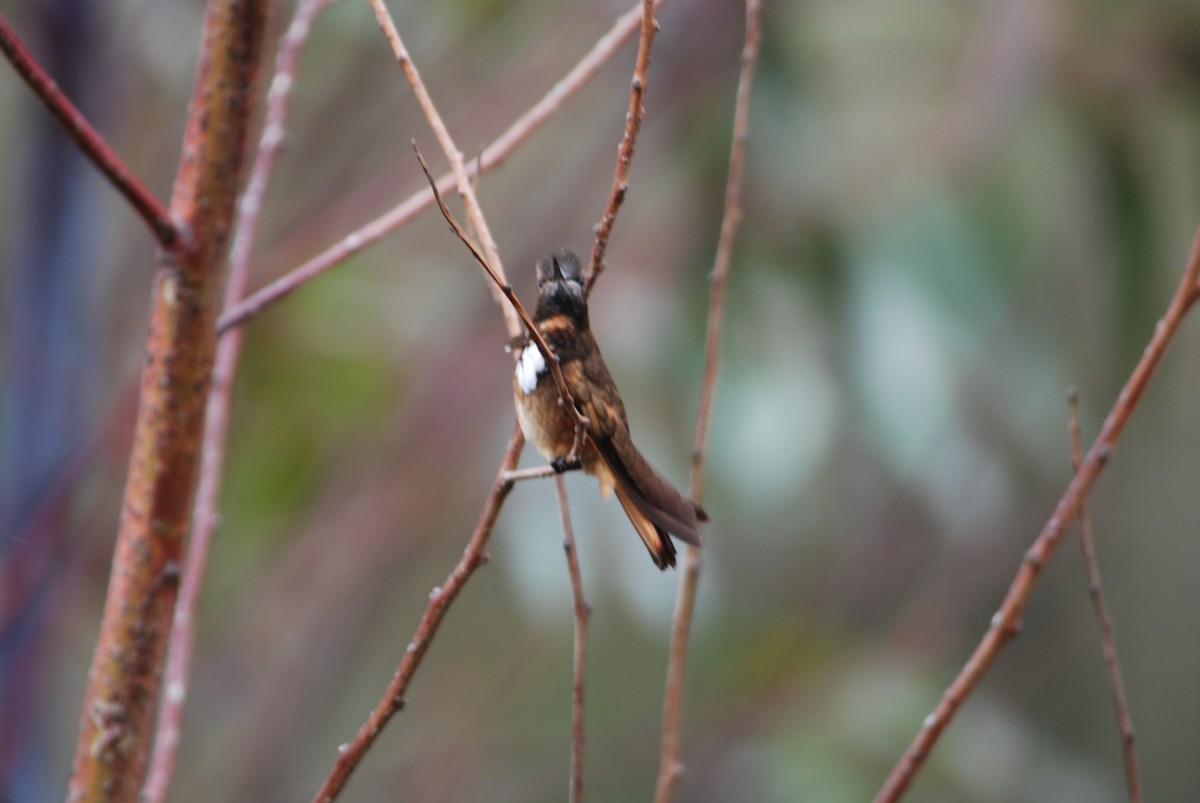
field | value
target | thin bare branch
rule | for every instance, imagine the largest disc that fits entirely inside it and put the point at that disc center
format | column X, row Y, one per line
column 440, row 599
column 669, row 766
column 633, row 124
column 1007, row 621
column 1096, row 591
column 94, row 147
column 457, row 166
column 492, row 156
column 515, row 304
column 125, row 677
column 212, row 455
column 541, row 472
column 582, row 612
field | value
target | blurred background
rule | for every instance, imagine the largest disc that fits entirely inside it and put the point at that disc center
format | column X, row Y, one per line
column 953, row 213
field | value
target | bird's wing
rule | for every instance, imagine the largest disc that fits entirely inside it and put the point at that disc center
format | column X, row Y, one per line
column 649, row 491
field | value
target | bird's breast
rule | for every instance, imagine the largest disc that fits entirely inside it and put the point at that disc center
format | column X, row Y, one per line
column 545, row 422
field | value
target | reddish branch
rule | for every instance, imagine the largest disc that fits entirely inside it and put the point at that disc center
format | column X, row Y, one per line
column 350, row 754
column 492, row 156
column 633, row 124
column 204, row 514
column 582, row 612
column 1096, row 591
column 1007, row 621
column 88, row 139
column 125, row 676
column 669, row 768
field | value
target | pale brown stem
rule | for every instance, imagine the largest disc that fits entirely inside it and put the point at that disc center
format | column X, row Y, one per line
column 455, row 157
column 212, row 457
column 440, row 599
column 1006, row 622
column 582, row 612
column 126, row 671
column 1096, row 591
column 633, row 124
column 506, row 291
column 669, row 768
column 538, row 472
column 492, row 156
column 93, row 146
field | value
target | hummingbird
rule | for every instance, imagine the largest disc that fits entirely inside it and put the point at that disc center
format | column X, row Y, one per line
column 653, row 505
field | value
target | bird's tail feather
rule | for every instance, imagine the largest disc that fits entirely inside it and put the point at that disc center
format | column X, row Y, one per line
column 662, row 551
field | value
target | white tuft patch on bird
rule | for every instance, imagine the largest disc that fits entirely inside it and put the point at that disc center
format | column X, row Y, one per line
column 531, row 365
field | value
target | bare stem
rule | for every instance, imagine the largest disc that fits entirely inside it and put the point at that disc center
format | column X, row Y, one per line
column 1007, row 621
column 126, row 671
column 89, row 140
column 539, row 472
column 492, row 156
column 582, row 612
column 669, row 767
column 440, row 599
column 633, row 124
column 1096, row 591
column 515, row 304
column 212, row 458
column 457, row 166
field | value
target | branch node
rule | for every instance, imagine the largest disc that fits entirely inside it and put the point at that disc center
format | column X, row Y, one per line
column 1033, row 559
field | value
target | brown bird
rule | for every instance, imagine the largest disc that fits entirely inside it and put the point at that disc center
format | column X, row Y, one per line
column 653, row 505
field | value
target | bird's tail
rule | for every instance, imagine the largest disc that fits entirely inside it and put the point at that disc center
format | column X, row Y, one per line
column 662, row 551
column 653, row 505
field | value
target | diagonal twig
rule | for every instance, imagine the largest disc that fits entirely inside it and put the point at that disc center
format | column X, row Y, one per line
column 453, row 155
column 506, row 290
column 669, row 767
column 212, row 457
column 492, row 156
column 633, row 124
column 1096, row 591
column 582, row 612
column 94, row 147
column 515, row 314
column 474, row 556
column 1006, row 622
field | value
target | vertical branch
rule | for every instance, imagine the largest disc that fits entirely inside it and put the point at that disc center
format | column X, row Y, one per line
column 1006, row 622
column 125, row 676
column 582, row 612
column 633, row 124
column 212, row 460
column 1096, row 591
column 440, row 599
column 669, row 767
column 88, row 139
column 454, row 156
